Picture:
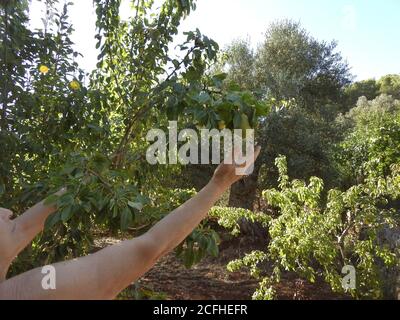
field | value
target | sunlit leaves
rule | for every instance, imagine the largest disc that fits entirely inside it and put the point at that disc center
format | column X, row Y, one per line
column 315, row 237
column 229, row 217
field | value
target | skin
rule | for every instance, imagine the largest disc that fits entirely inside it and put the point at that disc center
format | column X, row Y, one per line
column 106, row 273
column 16, row 234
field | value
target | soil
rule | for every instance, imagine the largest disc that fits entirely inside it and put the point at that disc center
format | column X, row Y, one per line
column 209, row 280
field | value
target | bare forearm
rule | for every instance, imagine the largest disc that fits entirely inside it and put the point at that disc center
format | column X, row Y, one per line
column 174, row 228
column 98, row 276
column 32, row 221
column 104, row 274
column 30, row 224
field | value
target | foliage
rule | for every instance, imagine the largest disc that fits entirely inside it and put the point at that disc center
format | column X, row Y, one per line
column 239, row 61
column 316, row 233
column 303, row 80
column 305, row 139
column 291, row 64
column 229, row 217
column 372, row 141
column 366, row 88
column 371, row 89
column 37, row 106
column 137, row 291
column 390, row 85
column 316, row 238
column 203, row 241
column 63, row 128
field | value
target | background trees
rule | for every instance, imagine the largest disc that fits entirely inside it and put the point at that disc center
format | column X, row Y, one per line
column 356, row 222
column 303, row 80
column 291, row 64
column 390, row 85
column 345, row 133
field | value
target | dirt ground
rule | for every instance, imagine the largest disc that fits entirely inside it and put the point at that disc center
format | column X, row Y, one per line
column 209, row 280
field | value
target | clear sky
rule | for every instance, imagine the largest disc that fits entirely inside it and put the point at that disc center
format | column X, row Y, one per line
column 367, row 31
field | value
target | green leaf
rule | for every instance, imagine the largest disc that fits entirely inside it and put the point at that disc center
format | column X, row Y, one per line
column 212, row 247
column 262, row 109
column 135, row 205
column 237, row 120
column 218, row 79
column 203, row 97
column 67, row 213
column 175, row 63
column 52, row 220
column 233, row 97
column 188, row 257
column 115, row 211
column 126, row 219
column 201, row 116
column 67, row 170
column 52, row 199
column 66, row 200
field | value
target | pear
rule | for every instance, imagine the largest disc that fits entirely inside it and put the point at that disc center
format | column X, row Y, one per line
column 244, row 124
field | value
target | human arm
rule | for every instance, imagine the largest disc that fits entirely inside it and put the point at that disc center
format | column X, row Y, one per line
column 106, row 273
column 31, row 223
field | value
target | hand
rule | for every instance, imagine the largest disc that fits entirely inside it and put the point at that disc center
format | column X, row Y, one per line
column 226, row 174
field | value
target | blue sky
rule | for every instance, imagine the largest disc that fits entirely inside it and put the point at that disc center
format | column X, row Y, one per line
column 367, row 31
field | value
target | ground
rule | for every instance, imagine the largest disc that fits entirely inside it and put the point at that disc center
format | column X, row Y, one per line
column 209, row 280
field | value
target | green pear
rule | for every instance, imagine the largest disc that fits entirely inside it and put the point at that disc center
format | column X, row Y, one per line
column 244, row 124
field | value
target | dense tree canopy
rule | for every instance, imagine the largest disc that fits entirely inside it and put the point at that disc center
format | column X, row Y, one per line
column 62, row 127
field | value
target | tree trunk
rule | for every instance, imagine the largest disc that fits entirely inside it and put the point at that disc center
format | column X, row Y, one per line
column 243, row 195
column 391, row 275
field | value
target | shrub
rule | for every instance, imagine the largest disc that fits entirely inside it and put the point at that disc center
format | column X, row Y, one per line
column 316, row 237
